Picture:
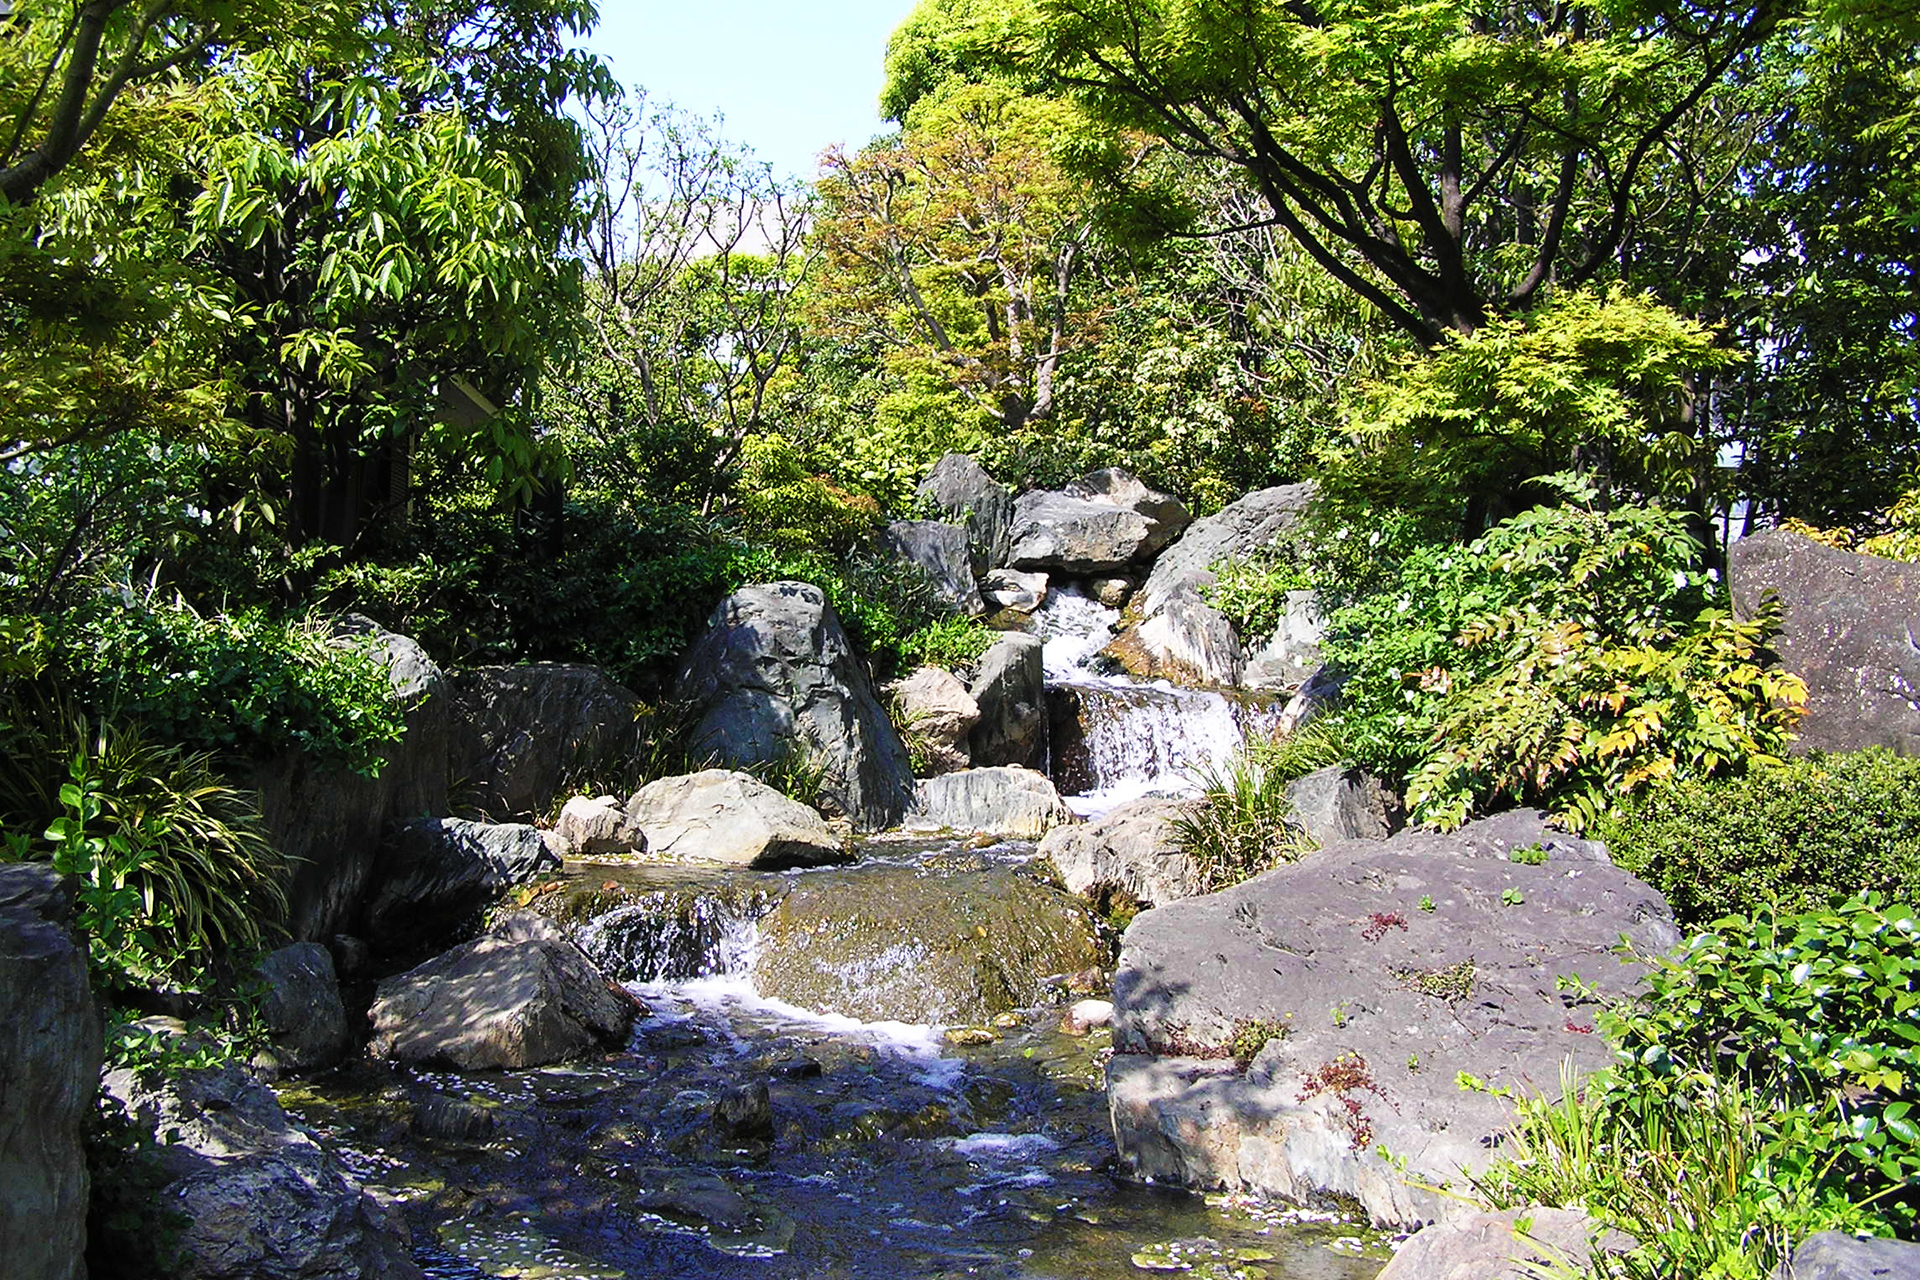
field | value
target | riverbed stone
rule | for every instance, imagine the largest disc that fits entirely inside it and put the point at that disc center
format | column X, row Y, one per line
column 300, row 1005
column 436, row 875
column 598, row 826
column 329, row 821
column 952, row 941
column 1186, row 640
column 937, row 709
column 500, row 1002
column 964, row 493
column 1834, row 1255
column 1849, row 631
column 254, row 1196
column 1010, row 688
column 50, row 1048
column 1338, row 803
column 1383, row 1002
column 775, row 669
column 1512, row 1244
column 521, row 733
column 941, row 550
column 1002, row 801
column 1127, row 856
column 1012, row 589
column 722, row 815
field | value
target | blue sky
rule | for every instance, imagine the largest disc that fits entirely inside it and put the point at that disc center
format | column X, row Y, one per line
column 790, row 78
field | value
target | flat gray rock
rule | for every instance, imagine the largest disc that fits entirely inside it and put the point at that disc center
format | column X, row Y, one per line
column 1392, row 966
column 1514, row 1244
column 1004, row 801
column 1830, row 1255
column 1096, row 525
column 1128, row 854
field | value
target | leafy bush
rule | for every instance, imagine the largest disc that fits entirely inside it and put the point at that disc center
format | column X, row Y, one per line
column 779, row 501
column 953, row 643
column 240, row 684
column 1566, row 658
column 1240, row 826
column 177, row 873
column 1792, row 836
column 1252, row 591
column 1763, row 1088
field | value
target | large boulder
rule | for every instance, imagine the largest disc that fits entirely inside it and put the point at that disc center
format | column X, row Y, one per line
column 1514, row 1244
column 49, row 1068
column 598, row 827
column 1848, row 632
column 1010, row 688
column 521, row 733
column 941, row 550
column 522, row 997
column 949, row 941
column 775, row 669
column 1285, row 659
column 329, row 821
column 964, row 493
column 253, row 1196
column 1127, row 856
column 1177, row 634
column 1004, row 801
column 1102, row 522
column 1834, row 1255
column 719, row 815
column 936, row 709
column 1376, row 972
column 300, row 1005
column 437, row 874
column 1337, row 803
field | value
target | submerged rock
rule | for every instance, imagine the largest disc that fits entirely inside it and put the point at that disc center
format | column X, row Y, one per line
column 1370, row 973
column 254, row 1197
column 1848, row 631
column 718, row 815
column 775, row 669
column 49, row 1069
column 523, row 1001
column 951, row 942
column 1007, row 801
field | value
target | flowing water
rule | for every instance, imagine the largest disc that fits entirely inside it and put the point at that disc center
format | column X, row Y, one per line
column 1114, row 738
column 741, row 1136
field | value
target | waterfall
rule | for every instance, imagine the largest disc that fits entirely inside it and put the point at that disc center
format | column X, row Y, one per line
column 677, row 934
column 1116, row 739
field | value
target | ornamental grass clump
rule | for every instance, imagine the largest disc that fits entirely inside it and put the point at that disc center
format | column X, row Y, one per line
column 1241, row 826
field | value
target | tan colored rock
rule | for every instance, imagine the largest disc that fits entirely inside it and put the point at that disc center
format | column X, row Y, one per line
column 938, row 711
column 596, row 826
column 719, row 815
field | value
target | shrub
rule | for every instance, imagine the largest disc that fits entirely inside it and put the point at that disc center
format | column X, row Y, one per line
column 953, row 643
column 1252, row 590
column 1797, row 835
column 1240, row 828
column 1763, row 1088
column 1315, row 745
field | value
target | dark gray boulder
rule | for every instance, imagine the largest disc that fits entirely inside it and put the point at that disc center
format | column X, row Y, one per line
column 1832, row 1255
column 1010, row 688
column 1337, row 803
column 437, row 874
column 1513, row 1244
column 961, row 490
column 523, row 997
column 1382, row 969
column 1178, row 635
column 1098, row 524
column 329, row 821
column 940, row 549
column 257, row 1197
column 774, row 668
column 50, row 1052
column 1851, row 631
column 1128, row 855
column 305, row 1018
column 521, row 733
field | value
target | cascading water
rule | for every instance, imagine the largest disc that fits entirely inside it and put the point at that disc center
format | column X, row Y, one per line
column 1116, row 739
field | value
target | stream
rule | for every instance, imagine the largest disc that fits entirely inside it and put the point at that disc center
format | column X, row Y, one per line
column 919, row 1107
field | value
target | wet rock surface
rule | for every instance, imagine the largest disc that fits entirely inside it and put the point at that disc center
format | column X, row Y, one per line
column 1378, row 971
column 775, row 668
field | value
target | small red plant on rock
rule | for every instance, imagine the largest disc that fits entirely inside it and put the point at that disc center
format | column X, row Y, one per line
column 1343, row 1077
column 1379, row 922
